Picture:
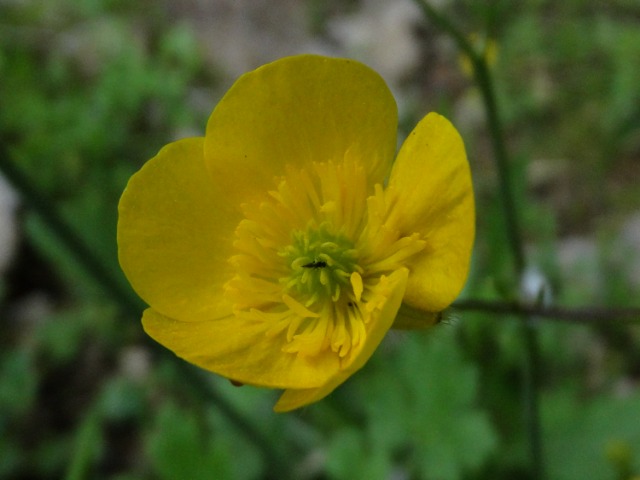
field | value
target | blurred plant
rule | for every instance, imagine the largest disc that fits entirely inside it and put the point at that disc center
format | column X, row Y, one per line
column 74, row 401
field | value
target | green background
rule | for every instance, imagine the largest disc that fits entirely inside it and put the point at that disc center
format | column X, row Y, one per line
column 89, row 90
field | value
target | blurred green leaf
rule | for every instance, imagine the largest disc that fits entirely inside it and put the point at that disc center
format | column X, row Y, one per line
column 87, row 446
column 11, row 455
column 352, row 455
column 179, row 447
column 18, row 382
column 422, row 412
column 122, row 399
column 579, row 433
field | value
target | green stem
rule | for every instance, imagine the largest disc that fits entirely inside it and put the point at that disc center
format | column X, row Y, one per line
column 483, row 78
column 532, row 395
column 485, row 83
column 566, row 314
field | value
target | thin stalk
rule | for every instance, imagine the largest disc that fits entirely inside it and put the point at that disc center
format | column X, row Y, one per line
column 485, row 83
column 532, row 394
column 591, row 315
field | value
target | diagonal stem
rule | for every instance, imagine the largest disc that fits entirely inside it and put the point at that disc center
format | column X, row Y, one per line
column 485, row 83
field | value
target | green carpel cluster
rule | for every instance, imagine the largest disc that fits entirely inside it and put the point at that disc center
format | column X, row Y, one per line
column 321, row 264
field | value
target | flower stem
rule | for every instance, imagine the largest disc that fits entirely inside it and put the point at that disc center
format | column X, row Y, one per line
column 483, row 78
column 484, row 81
column 591, row 315
column 532, row 395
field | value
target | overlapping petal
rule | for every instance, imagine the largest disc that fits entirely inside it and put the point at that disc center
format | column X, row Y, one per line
column 431, row 194
column 240, row 350
column 174, row 234
column 296, row 111
column 394, row 289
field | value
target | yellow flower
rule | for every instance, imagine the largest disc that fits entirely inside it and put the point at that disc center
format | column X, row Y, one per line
column 277, row 249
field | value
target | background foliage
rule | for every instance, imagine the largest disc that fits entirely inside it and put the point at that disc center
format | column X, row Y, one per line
column 91, row 89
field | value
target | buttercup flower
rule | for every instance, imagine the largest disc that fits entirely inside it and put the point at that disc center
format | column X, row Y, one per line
column 277, row 249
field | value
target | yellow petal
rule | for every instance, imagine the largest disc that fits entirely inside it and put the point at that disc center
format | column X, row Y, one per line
column 295, row 111
column 239, row 350
column 175, row 232
column 376, row 329
column 432, row 195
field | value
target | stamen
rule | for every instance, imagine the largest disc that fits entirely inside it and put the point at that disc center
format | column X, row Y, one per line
column 298, row 308
column 356, row 283
column 313, row 259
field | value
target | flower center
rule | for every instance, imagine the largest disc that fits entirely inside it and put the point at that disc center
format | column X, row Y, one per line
column 321, row 265
column 313, row 259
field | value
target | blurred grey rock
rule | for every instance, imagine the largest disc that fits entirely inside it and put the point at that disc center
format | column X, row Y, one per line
column 382, row 35
column 240, row 35
column 8, row 224
column 135, row 362
column 579, row 268
column 629, row 248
